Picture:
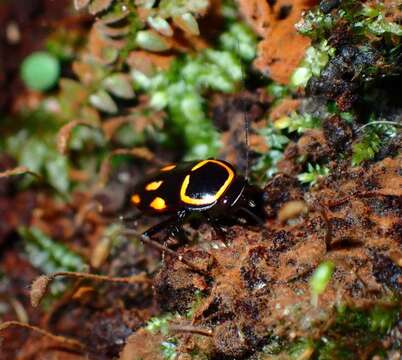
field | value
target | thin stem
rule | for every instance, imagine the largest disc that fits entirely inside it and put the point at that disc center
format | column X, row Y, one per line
column 394, row 123
column 67, row 341
column 191, row 329
column 141, row 278
column 164, row 249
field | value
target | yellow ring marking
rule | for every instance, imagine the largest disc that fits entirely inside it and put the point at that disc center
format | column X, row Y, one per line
column 168, row 167
column 154, row 185
column 158, row 203
column 208, row 200
column 136, row 199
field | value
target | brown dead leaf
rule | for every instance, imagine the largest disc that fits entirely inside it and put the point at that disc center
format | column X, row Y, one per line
column 282, row 47
column 64, row 134
column 258, row 15
column 147, row 62
column 19, row 170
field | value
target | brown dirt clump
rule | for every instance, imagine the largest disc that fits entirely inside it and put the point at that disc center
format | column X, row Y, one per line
column 282, row 47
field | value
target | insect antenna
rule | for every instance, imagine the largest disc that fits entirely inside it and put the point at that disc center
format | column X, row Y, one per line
column 247, row 131
column 246, row 118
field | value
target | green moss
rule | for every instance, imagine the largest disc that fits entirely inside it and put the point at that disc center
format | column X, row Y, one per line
column 311, row 176
column 159, row 324
column 168, row 349
column 199, row 296
column 181, row 89
column 34, row 147
column 376, row 321
column 334, row 350
column 265, row 167
column 297, row 122
column 301, row 349
column 382, row 319
column 374, row 137
column 316, row 58
column 48, row 255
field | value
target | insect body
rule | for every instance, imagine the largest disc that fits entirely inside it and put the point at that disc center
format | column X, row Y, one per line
column 210, row 187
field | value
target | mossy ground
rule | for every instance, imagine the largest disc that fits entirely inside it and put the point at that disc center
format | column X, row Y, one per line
column 147, row 83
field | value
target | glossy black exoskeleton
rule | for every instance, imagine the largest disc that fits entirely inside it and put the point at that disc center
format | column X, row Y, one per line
column 210, row 187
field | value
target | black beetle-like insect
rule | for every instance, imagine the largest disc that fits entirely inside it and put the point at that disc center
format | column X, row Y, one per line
column 209, row 187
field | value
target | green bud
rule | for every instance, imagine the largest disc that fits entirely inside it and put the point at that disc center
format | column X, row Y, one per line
column 40, row 71
column 321, row 277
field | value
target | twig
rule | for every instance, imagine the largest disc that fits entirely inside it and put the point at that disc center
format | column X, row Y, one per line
column 41, row 284
column 61, row 339
column 191, row 329
column 364, row 194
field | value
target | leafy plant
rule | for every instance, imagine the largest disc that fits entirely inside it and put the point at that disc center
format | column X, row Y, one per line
column 179, row 90
column 265, row 167
column 313, row 174
column 371, row 142
column 374, row 21
column 316, row 58
column 297, row 122
column 49, row 256
column 34, row 147
column 159, row 324
column 301, row 349
column 363, row 19
column 168, row 349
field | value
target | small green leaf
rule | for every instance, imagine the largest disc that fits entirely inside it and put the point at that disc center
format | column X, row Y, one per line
column 97, row 6
column 300, row 77
column 33, row 154
column 160, row 25
column 315, row 60
column 150, row 40
column 102, row 101
column 297, row 122
column 56, row 167
column 119, row 85
column 40, row 71
column 159, row 324
column 313, row 174
column 371, row 142
column 187, row 23
column 168, row 349
column 47, row 254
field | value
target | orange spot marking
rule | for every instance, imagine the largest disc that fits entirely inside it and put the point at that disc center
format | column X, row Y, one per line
column 154, row 185
column 158, row 203
column 136, row 199
column 168, row 167
column 210, row 199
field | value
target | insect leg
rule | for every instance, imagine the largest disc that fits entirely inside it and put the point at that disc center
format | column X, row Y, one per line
column 170, row 224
